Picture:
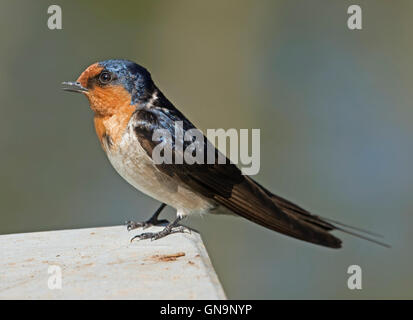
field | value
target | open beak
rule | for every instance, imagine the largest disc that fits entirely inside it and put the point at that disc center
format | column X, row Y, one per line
column 73, row 87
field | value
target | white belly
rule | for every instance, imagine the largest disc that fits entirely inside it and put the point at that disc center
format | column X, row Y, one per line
column 134, row 165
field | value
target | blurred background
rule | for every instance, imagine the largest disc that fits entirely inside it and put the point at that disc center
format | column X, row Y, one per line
column 333, row 106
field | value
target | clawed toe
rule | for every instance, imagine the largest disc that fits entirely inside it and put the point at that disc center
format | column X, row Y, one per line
column 161, row 234
column 153, row 221
column 181, row 229
column 131, row 225
column 142, row 236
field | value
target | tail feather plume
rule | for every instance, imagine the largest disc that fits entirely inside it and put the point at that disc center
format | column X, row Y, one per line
column 253, row 202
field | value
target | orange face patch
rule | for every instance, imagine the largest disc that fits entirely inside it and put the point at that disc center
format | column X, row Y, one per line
column 111, row 105
column 90, row 72
column 113, row 109
column 108, row 100
column 112, row 127
column 103, row 100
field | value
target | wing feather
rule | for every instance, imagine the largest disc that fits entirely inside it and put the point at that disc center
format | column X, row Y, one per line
column 225, row 184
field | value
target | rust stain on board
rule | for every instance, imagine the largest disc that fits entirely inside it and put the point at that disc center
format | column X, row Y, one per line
column 167, row 257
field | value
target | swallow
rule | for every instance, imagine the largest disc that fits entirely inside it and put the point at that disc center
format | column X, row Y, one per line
column 128, row 108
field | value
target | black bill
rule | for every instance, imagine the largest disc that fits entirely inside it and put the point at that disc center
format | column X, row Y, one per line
column 73, row 87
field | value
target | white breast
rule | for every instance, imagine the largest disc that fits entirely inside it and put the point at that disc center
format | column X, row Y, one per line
column 134, row 165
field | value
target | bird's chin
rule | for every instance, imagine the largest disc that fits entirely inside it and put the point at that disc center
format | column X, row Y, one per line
column 73, row 87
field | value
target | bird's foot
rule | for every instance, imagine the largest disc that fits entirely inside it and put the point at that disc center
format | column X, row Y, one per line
column 131, row 225
column 163, row 233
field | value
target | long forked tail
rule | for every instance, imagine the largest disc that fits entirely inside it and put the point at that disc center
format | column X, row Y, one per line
column 326, row 223
column 253, row 202
column 357, row 232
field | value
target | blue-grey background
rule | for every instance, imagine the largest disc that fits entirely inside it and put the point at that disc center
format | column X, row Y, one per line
column 333, row 105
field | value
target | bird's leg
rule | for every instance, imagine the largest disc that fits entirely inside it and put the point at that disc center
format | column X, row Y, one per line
column 153, row 221
column 173, row 227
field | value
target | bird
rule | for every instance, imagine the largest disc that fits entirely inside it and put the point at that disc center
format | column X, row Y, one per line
column 129, row 108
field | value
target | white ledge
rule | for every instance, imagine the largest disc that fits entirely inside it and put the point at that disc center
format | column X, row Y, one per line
column 102, row 263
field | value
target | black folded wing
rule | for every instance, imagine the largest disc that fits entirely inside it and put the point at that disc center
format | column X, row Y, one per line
column 225, row 184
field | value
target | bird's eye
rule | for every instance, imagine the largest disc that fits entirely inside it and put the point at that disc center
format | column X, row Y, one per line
column 105, row 77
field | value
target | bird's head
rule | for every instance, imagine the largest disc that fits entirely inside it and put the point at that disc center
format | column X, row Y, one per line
column 113, row 84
